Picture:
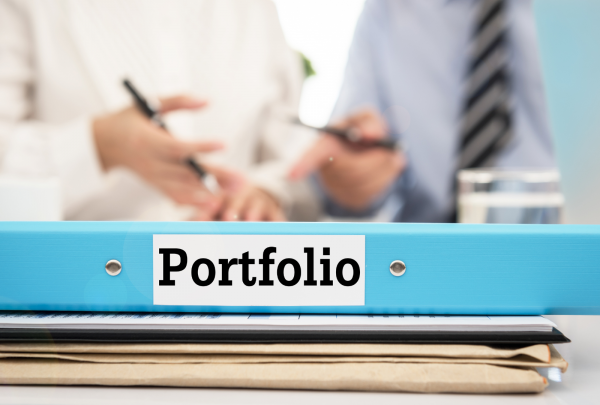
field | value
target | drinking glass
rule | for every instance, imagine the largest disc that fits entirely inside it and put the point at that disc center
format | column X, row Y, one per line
column 509, row 196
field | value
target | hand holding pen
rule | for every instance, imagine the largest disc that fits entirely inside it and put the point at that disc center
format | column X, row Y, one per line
column 154, row 114
column 354, row 170
column 130, row 140
column 136, row 138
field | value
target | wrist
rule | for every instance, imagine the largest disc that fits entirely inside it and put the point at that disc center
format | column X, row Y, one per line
column 102, row 131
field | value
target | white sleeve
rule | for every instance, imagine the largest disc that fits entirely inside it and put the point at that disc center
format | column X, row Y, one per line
column 281, row 143
column 30, row 148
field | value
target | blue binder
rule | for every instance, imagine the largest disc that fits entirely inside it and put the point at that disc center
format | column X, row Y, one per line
column 450, row 268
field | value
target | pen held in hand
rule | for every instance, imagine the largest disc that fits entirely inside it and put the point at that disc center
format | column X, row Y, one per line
column 149, row 111
column 353, row 137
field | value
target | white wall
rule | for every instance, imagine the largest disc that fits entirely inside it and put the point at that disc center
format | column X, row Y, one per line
column 322, row 30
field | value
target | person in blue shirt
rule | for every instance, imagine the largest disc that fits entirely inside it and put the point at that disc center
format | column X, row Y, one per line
column 457, row 82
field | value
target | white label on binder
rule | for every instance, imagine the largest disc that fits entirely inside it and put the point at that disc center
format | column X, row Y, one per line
column 259, row 270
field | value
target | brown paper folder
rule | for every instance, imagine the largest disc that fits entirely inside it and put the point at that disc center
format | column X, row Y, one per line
column 429, row 377
column 418, row 368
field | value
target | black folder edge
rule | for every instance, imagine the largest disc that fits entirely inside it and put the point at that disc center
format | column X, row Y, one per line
column 42, row 335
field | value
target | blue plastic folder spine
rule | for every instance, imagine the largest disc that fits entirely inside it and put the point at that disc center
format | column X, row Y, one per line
column 451, row 269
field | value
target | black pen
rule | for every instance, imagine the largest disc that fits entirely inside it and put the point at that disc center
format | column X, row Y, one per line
column 353, row 137
column 145, row 108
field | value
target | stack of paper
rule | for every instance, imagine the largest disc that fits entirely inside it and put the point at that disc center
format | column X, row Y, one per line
column 332, row 366
column 89, row 320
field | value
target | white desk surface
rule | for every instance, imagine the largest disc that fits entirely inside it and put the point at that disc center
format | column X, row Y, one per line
column 580, row 386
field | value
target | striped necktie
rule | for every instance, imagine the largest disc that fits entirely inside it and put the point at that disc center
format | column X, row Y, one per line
column 486, row 118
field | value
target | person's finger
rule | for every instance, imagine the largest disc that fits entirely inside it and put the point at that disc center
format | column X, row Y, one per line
column 181, row 192
column 201, row 147
column 362, row 191
column 254, row 210
column 186, row 192
column 374, row 166
column 203, row 215
column 230, row 180
column 175, row 171
column 351, row 188
column 352, row 168
column 369, row 188
column 358, row 186
column 209, row 210
column 174, row 149
column 233, row 207
column 275, row 214
column 387, row 162
column 323, row 151
column 361, row 166
column 180, row 102
column 370, row 124
column 342, row 123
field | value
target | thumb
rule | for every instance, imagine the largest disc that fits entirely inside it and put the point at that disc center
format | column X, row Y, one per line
column 370, row 124
column 180, row 102
column 205, row 146
column 229, row 180
column 176, row 149
column 322, row 152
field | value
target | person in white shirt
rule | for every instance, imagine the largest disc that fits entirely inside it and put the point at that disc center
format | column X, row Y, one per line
column 229, row 75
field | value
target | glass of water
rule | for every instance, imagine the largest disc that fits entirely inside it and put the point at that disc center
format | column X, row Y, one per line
column 506, row 196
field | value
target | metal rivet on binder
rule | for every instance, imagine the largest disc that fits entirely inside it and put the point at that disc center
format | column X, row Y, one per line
column 397, row 268
column 113, row 267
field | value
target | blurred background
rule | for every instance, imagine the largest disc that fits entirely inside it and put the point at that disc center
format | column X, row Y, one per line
column 570, row 59
column 323, row 32
column 570, row 62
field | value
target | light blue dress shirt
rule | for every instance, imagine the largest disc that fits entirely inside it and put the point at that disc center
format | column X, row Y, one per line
column 408, row 61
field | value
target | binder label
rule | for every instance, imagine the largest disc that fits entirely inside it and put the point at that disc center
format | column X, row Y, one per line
column 259, row 270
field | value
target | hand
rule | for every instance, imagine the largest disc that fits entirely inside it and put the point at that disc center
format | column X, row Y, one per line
column 238, row 200
column 129, row 139
column 354, row 177
column 252, row 204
